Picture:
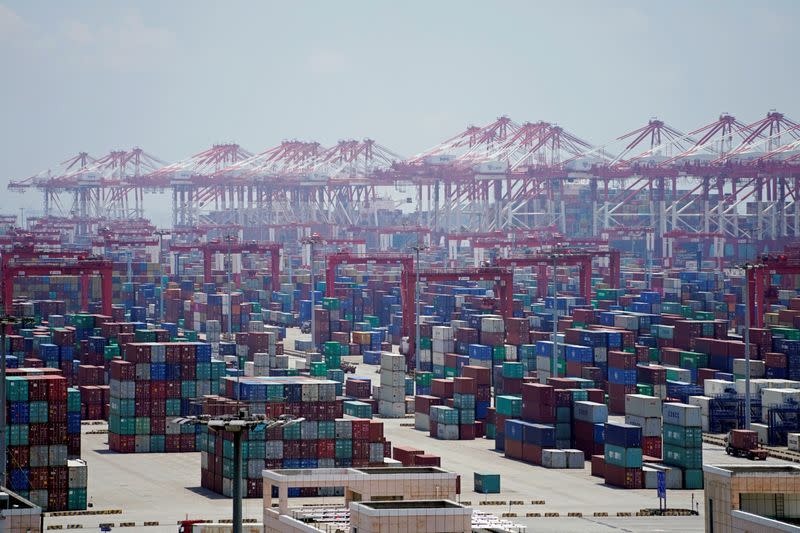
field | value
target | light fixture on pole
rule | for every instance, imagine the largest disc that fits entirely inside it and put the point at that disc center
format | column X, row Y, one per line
column 237, row 425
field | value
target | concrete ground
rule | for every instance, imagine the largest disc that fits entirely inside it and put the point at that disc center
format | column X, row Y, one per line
column 166, row 488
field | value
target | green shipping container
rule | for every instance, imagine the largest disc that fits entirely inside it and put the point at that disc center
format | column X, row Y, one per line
column 499, row 353
column 685, row 437
column 693, row 479
column 624, row 457
column 690, row 458
column 423, row 379
column 513, row 369
column 510, row 406
column 486, row 483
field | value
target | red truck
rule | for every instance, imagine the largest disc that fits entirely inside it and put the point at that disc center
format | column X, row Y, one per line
column 744, row 443
column 187, row 526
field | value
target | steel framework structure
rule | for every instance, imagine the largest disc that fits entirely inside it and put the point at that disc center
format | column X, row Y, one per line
column 729, row 178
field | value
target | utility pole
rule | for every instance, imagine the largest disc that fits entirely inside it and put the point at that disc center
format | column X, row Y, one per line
column 746, row 333
column 417, row 249
column 161, row 233
column 311, row 241
column 554, row 370
column 229, row 238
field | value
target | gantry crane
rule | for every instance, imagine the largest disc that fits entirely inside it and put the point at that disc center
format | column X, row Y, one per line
column 82, row 267
column 502, row 277
column 345, row 258
column 583, row 260
column 209, row 249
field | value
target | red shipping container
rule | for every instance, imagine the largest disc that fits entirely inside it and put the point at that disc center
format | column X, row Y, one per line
column 443, row 388
column 426, row 459
column 744, row 439
column 531, row 453
column 405, row 454
column 598, row 465
column 375, row 431
column 651, row 446
column 622, row 360
column 481, row 375
column 627, row 478
column 466, row 431
column 513, row 448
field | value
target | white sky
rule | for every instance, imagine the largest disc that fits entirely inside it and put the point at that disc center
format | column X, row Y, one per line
column 175, row 77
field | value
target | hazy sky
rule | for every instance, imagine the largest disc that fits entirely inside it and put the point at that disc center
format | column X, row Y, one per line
column 176, row 77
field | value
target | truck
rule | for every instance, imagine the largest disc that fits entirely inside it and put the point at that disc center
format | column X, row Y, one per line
column 187, row 526
column 744, row 443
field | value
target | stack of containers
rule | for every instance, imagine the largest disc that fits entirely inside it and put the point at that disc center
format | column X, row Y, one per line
column 153, row 385
column 332, row 351
column 683, row 442
column 422, row 411
column 464, row 401
column 38, row 435
column 483, row 393
column 623, row 455
column 322, row 439
column 442, row 343
column 621, row 379
column 78, row 481
column 444, row 422
column 493, row 334
column 587, row 417
column 422, row 382
column 506, row 407
column 645, row 412
column 392, row 392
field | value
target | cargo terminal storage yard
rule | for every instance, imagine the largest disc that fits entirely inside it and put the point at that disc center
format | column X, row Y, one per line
column 373, row 298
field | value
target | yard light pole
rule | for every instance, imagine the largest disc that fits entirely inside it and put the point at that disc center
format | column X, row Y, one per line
column 161, row 233
column 237, row 425
column 417, row 249
column 229, row 239
column 746, row 334
column 312, row 240
column 554, row 366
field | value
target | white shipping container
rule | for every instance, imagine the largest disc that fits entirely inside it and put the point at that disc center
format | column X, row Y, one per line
column 391, row 394
column 422, row 422
column 593, row 412
column 391, row 409
column 642, row 405
column 702, row 402
column 442, row 332
column 681, row 414
column 793, row 441
column 575, row 458
column 651, row 427
column 554, row 458
column 393, row 361
column 393, row 379
column 443, row 345
column 447, row 431
column 762, row 430
column 674, row 476
column 650, row 476
column 757, row 368
column 78, row 473
column 492, row 323
column 716, row 387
